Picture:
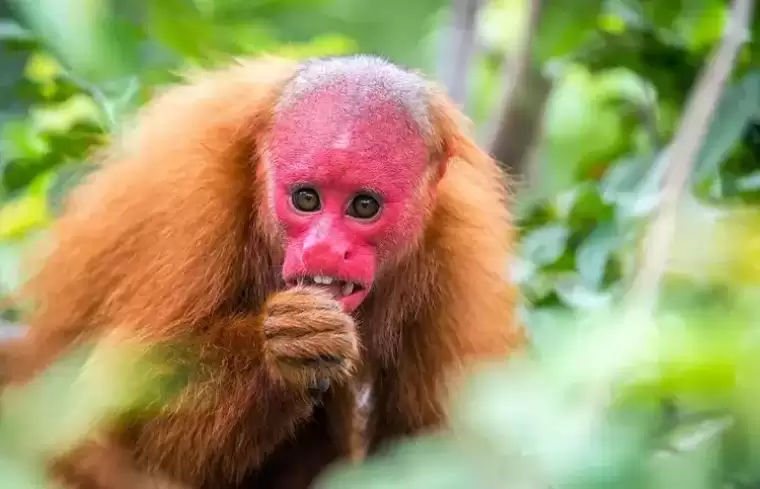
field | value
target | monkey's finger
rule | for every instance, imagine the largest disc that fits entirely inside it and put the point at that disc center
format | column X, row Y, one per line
column 317, row 348
column 314, row 380
column 301, row 299
column 297, row 325
column 320, row 387
column 323, row 360
column 316, row 362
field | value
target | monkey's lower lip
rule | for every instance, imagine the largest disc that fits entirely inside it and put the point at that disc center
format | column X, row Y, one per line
column 353, row 301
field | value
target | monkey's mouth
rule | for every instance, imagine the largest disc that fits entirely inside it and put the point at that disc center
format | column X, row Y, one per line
column 347, row 292
column 337, row 287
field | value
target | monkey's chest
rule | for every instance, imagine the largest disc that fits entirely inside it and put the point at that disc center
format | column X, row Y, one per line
column 335, row 431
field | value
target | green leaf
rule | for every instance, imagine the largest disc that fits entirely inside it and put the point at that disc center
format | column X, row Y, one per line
column 632, row 185
column 42, row 68
column 324, row 45
column 592, row 255
column 589, row 208
column 10, row 30
column 82, row 32
column 546, row 325
column 559, row 33
column 738, row 106
column 12, row 103
column 62, row 117
column 545, row 245
column 662, row 14
column 701, row 23
column 694, row 469
column 622, row 84
column 28, row 211
column 538, row 286
column 582, row 129
column 20, row 140
column 573, row 292
column 749, row 182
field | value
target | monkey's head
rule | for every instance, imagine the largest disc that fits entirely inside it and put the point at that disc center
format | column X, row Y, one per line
column 351, row 171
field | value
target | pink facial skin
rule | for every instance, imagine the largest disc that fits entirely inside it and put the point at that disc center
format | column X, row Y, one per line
column 328, row 143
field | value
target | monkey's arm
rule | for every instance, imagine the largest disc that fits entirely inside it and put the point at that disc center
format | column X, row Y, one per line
column 250, row 387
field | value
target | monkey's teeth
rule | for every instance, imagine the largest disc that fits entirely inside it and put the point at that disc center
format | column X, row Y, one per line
column 347, row 289
column 321, row 279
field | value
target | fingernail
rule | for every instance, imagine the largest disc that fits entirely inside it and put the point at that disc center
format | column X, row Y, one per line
column 322, row 385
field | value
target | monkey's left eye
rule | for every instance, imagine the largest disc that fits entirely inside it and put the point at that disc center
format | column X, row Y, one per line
column 364, row 207
column 306, row 200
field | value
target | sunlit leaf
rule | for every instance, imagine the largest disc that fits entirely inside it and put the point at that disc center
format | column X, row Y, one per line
column 701, row 23
column 62, row 117
column 326, row 45
column 42, row 68
column 26, row 212
column 21, row 140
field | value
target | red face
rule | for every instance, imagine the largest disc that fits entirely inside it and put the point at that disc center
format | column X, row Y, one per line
column 347, row 188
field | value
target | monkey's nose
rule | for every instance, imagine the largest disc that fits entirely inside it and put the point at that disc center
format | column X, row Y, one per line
column 327, row 254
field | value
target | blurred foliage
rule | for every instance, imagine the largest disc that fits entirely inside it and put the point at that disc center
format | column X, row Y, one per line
column 90, row 386
column 606, row 397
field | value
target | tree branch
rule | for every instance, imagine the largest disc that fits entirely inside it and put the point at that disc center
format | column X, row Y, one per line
column 461, row 46
column 682, row 153
column 523, row 106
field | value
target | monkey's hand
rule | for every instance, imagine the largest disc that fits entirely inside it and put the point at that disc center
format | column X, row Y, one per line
column 310, row 341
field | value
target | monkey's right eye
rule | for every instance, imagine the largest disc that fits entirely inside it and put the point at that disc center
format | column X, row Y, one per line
column 306, row 200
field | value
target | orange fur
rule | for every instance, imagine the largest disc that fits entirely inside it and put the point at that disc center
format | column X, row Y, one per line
column 168, row 243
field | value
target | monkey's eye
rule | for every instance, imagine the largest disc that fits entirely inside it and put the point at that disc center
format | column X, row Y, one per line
column 364, row 207
column 306, row 200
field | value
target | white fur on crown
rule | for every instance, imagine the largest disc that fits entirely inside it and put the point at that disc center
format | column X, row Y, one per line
column 364, row 78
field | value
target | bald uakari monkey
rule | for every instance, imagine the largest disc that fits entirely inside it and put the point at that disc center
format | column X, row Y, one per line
column 314, row 227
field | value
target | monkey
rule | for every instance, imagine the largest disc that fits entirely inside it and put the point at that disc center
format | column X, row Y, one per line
column 309, row 230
